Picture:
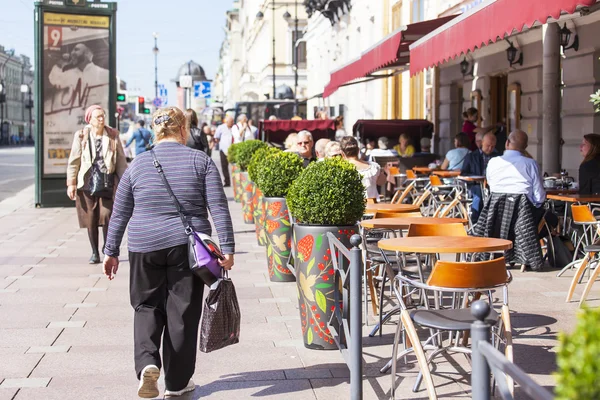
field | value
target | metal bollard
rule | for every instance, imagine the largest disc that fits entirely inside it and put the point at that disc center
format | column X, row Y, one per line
column 480, row 332
column 356, row 365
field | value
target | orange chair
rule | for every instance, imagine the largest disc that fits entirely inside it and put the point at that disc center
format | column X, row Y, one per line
column 400, row 196
column 460, row 279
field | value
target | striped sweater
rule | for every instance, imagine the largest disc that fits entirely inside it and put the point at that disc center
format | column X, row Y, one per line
column 143, row 201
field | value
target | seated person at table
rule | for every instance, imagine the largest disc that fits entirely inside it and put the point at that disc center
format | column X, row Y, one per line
column 475, row 164
column 333, row 149
column 589, row 170
column 383, row 149
column 404, row 148
column 371, row 173
column 515, row 173
column 320, row 148
column 455, row 158
column 304, row 147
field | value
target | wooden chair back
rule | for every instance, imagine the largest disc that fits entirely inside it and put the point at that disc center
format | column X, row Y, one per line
column 410, row 174
column 466, row 275
column 444, row 210
column 397, row 214
column 582, row 214
column 400, row 196
column 435, row 180
column 394, row 170
column 371, row 200
column 456, row 229
column 421, row 199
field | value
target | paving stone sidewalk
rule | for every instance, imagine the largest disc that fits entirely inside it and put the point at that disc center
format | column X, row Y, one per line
column 66, row 331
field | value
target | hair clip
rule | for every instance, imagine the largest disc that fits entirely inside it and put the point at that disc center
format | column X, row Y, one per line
column 161, row 119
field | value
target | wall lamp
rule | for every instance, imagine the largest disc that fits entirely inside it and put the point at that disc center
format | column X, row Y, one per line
column 464, row 67
column 511, row 55
column 565, row 38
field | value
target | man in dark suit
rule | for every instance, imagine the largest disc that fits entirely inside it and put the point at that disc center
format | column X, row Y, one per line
column 475, row 164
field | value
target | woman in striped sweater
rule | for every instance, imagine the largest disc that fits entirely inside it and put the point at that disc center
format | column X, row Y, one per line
column 165, row 294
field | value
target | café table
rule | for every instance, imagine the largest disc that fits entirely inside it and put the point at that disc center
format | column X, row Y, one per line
column 568, row 196
column 474, row 179
column 406, row 222
column 422, row 170
column 446, row 174
column 387, row 207
column 439, row 245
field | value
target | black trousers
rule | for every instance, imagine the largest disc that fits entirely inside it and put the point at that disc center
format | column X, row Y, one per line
column 167, row 299
column 225, row 169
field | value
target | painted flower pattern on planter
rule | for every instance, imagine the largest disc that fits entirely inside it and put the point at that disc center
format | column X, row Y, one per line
column 314, row 268
column 279, row 239
column 259, row 216
column 247, row 199
column 237, row 184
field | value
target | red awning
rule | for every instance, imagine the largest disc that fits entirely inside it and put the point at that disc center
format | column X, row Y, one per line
column 390, row 52
column 487, row 23
column 289, row 126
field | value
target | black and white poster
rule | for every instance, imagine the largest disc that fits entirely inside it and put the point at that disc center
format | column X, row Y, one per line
column 76, row 57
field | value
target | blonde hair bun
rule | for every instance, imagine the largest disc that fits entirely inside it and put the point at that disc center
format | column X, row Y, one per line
column 167, row 122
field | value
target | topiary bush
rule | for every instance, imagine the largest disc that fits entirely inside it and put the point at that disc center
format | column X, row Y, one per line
column 276, row 172
column 578, row 359
column 258, row 156
column 245, row 151
column 329, row 192
column 232, row 153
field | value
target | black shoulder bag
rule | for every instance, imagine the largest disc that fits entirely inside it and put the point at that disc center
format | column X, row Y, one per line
column 101, row 183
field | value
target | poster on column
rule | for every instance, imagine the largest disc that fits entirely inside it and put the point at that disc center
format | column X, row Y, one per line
column 75, row 73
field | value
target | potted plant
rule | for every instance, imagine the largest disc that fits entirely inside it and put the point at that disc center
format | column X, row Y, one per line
column 244, row 152
column 235, row 172
column 257, row 195
column 274, row 175
column 328, row 196
column 578, row 359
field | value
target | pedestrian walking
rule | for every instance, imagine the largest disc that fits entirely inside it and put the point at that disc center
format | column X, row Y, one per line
column 224, row 138
column 242, row 130
column 142, row 137
column 96, row 153
column 197, row 138
column 165, row 294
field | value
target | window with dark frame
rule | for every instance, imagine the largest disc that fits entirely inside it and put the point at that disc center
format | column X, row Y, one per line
column 301, row 49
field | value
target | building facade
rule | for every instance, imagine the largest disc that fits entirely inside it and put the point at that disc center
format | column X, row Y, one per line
column 258, row 32
column 16, row 117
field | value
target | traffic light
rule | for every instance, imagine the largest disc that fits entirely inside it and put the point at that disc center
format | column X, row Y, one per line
column 146, row 111
column 121, row 98
column 141, row 105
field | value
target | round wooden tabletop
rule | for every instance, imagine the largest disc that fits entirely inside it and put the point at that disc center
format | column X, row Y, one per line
column 405, row 222
column 391, row 207
column 444, row 244
column 422, row 169
column 477, row 178
column 446, row 174
column 575, row 198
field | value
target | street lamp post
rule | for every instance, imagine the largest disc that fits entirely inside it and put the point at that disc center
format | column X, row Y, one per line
column 29, row 105
column 155, row 51
column 2, row 101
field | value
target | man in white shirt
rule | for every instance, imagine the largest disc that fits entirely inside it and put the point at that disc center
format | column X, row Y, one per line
column 383, row 149
column 224, row 137
column 242, row 131
column 514, row 173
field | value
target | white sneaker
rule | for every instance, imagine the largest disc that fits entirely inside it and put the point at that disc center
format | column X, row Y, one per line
column 149, row 382
column 189, row 388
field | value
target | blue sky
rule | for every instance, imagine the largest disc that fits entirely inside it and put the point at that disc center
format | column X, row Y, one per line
column 188, row 30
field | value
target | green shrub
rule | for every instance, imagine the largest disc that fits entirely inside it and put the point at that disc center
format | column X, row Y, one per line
column 578, row 359
column 245, row 151
column 258, row 156
column 329, row 192
column 276, row 172
column 232, row 153
column 595, row 100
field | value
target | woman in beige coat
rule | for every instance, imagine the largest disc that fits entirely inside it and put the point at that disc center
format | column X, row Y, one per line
column 106, row 154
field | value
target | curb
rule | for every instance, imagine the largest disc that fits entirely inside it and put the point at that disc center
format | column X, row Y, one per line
column 22, row 199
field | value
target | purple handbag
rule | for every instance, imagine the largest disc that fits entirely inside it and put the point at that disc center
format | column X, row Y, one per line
column 203, row 252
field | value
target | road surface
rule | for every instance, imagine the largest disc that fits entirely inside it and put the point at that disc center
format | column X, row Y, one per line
column 16, row 170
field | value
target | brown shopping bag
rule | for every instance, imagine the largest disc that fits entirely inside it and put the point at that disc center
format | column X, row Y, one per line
column 221, row 320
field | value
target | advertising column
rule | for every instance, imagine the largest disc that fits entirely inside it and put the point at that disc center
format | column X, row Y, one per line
column 75, row 69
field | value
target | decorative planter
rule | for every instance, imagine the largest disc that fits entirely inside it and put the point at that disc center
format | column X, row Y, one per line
column 278, row 233
column 247, row 198
column 259, row 216
column 235, row 181
column 315, row 277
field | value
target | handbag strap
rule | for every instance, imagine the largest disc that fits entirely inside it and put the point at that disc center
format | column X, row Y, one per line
column 186, row 225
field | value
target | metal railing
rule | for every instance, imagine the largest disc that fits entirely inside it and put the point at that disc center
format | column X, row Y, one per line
column 486, row 359
column 346, row 321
